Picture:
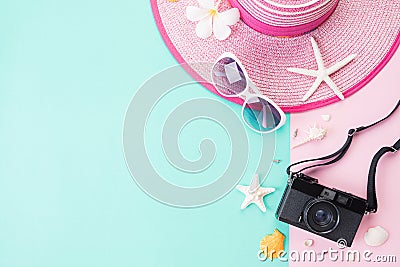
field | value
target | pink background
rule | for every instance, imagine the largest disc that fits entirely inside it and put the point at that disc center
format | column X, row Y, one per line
column 350, row 174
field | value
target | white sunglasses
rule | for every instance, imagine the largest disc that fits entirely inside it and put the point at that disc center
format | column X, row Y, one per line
column 259, row 112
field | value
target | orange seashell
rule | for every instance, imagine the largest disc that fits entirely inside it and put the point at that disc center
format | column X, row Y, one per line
column 273, row 244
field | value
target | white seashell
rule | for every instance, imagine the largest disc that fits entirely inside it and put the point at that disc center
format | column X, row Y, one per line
column 314, row 133
column 308, row 242
column 326, row 117
column 376, row 236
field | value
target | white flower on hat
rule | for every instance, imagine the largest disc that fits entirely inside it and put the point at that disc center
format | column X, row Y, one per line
column 210, row 20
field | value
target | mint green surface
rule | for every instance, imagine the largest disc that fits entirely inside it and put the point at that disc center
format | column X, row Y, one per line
column 68, row 70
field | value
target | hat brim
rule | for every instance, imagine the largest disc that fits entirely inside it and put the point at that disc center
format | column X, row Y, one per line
column 369, row 29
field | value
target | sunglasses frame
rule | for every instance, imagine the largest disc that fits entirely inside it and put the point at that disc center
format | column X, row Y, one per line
column 246, row 94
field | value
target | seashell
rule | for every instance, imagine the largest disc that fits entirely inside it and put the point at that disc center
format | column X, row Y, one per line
column 376, row 236
column 308, row 242
column 326, row 117
column 273, row 244
column 314, row 133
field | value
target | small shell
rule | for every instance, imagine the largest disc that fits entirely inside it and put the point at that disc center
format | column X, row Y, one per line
column 314, row 133
column 308, row 242
column 376, row 236
column 273, row 244
column 326, row 117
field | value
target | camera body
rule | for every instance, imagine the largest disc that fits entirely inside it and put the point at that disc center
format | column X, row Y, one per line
column 327, row 212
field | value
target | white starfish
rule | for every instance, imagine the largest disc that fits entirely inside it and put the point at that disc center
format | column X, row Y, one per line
column 254, row 193
column 322, row 74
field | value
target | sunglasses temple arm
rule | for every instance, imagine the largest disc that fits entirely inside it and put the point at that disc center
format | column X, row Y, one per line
column 264, row 108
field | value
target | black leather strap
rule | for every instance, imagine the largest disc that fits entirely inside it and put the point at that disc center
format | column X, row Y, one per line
column 336, row 156
column 371, row 191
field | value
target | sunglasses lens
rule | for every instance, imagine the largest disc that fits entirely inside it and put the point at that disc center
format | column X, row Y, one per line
column 228, row 77
column 260, row 115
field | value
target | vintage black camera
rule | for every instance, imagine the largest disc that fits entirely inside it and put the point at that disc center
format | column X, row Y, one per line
column 327, row 212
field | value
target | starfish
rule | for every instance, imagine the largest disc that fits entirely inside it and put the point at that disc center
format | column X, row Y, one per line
column 254, row 193
column 322, row 74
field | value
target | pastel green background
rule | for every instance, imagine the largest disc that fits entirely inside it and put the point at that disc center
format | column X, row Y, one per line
column 68, row 70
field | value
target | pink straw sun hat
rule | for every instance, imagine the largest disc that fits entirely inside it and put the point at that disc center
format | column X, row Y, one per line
column 282, row 43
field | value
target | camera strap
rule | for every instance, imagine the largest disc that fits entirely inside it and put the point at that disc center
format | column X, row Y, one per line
column 336, row 156
column 371, row 191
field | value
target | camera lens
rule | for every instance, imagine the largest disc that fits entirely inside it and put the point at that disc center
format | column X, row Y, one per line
column 321, row 216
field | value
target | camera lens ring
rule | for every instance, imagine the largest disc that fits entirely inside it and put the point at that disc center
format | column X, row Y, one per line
column 319, row 227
